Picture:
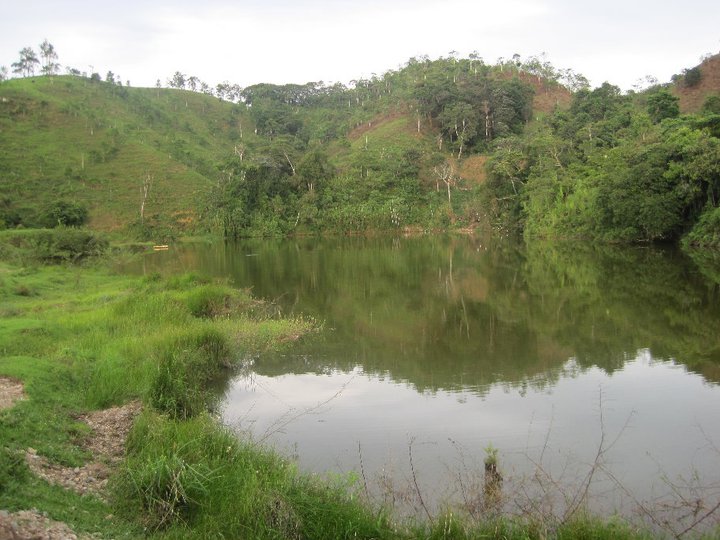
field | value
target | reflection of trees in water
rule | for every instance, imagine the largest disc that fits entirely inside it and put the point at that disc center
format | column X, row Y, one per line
column 448, row 313
column 618, row 300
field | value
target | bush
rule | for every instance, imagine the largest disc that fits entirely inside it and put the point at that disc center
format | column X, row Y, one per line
column 706, row 233
column 712, row 105
column 64, row 213
column 185, row 366
column 51, row 245
column 167, row 474
column 12, row 468
column 692, row 77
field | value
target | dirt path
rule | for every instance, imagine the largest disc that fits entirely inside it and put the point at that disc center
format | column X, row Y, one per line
column 10, row 392
column 32, row 525
column 106, row 442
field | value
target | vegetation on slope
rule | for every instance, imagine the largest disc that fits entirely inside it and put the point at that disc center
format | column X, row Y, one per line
column 94, row 144
column 394, row 152
column 613, row 167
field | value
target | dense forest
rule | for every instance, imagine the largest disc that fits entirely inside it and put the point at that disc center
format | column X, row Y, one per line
column 437, row 144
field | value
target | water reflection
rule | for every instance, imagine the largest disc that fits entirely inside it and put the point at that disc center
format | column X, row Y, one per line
column 445, row 345
column 463, row 313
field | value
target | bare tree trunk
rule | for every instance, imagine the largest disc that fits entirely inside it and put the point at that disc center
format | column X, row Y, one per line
column 290, row 162
column 486, row 110
column 147, row 184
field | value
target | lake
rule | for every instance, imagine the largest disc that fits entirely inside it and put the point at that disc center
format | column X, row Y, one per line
column 591, row 371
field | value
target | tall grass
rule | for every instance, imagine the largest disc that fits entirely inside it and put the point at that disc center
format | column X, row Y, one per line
column 194, row 477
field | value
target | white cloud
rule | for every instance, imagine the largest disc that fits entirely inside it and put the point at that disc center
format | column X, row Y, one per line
column 297, row 41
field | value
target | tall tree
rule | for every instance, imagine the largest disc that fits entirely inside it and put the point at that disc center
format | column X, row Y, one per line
column 662, row 104
column 27, row 63
column 49, row 59
column 178, row 80
column 193, row 83
column 459, row 120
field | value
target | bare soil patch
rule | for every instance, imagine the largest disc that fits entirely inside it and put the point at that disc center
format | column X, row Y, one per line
column 693, row 98
column 106, row 442
column 472, row 169
column 10, row 392
column 32, row 525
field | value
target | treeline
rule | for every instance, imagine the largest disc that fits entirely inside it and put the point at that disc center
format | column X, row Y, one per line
column 47, row 62
column 613, row 167
column 301, row 172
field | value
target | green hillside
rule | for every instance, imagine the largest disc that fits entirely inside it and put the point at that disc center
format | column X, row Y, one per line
column 452, row 142
column 95, row 143
column 284, row 159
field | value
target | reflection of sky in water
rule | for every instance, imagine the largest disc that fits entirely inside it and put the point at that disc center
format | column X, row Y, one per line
column 663, row 416
column 455, row 344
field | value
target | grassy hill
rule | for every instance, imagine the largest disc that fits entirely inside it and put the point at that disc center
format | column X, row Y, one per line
column 95, row 143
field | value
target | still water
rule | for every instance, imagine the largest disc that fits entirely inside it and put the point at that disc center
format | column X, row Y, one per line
column 582, row 365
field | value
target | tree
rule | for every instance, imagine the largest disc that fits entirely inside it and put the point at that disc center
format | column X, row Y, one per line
column 314, row 169
column 67, row 213
column 193, row 83
column 3, row 73
column 446, row 172
column 145, row 191
column 49, row 56
column 110, row 77
column 177, row 81
column 662, row 104
column 460, row 121
column 692, row 76
column 27, row 63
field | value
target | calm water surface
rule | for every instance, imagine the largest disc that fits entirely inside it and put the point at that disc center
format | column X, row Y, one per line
column 565, row 358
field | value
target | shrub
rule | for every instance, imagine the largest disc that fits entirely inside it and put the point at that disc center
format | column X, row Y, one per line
column 52, row 245
column 706, row 233
column 209, row 301
column 65, row 213
column 692, row 76
column 712, row 104
column 184, row 366
column 12, row 468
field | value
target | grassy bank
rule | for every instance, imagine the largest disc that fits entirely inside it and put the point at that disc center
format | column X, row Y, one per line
column 82, row 339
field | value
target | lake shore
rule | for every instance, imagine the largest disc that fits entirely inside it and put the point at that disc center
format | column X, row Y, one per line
column 82, row 339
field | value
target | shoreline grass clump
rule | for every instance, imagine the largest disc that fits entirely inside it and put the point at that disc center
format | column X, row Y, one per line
column 193, row 477
column 185, row 366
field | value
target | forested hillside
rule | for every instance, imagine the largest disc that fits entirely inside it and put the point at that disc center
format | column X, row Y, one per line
column 452, row 142
column 616, row 167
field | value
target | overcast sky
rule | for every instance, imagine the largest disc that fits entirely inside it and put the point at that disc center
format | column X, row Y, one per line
column 280, row 41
